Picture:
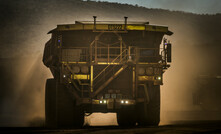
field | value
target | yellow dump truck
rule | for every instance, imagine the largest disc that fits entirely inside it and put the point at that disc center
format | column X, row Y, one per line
column 98, row 66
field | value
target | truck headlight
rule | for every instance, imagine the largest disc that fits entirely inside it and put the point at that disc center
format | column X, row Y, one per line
column 103, row 101
column 149, row 70
column 158, row 78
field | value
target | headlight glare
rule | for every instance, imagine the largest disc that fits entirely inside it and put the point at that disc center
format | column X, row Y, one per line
column 158, row 78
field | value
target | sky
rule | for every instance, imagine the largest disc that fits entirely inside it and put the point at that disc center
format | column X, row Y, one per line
column 194, row 6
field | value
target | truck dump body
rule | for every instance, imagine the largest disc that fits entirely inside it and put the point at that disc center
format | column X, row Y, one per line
column 107, row 66
column 137, row 38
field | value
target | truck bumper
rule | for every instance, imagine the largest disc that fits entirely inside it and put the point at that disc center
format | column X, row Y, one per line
column 106, row 105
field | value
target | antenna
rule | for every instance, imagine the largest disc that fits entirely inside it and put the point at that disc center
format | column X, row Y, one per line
column 94, row 22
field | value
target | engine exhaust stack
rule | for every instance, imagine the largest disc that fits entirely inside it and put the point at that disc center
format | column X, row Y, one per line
column 125, row 23
column 94, row 22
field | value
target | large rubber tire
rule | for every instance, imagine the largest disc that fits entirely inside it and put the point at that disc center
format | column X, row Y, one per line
column 126, row 117
column 68, row 114
column 149, row 114
column 50, row 103
column 60, row 108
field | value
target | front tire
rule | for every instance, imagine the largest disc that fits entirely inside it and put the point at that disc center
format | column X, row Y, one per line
column 60, row 107
column 148, row 114
column 126, row 116
column 68, row 113
column 50, row 103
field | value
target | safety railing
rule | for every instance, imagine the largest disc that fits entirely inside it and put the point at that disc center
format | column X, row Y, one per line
column 106, row 54
column 108, row 69
column 113, row 61
column 111, row 55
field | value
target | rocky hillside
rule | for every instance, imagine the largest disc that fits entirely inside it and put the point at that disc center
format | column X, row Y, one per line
column 24, row 23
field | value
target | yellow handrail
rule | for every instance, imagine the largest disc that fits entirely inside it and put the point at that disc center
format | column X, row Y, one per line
column 74, row 74
column 110, row 64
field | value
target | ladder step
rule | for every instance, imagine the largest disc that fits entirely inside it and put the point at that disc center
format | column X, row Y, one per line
column 110, row 79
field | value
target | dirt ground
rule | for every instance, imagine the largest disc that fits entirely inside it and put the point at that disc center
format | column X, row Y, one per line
column 179, row 127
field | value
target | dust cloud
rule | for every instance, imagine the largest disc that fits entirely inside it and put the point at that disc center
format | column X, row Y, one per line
column 23, row 75
column 25, row 100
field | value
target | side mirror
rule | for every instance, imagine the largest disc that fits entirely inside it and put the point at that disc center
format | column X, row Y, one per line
column 168, row 52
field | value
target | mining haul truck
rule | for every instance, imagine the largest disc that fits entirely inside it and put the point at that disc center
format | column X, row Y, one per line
column 105, row 67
